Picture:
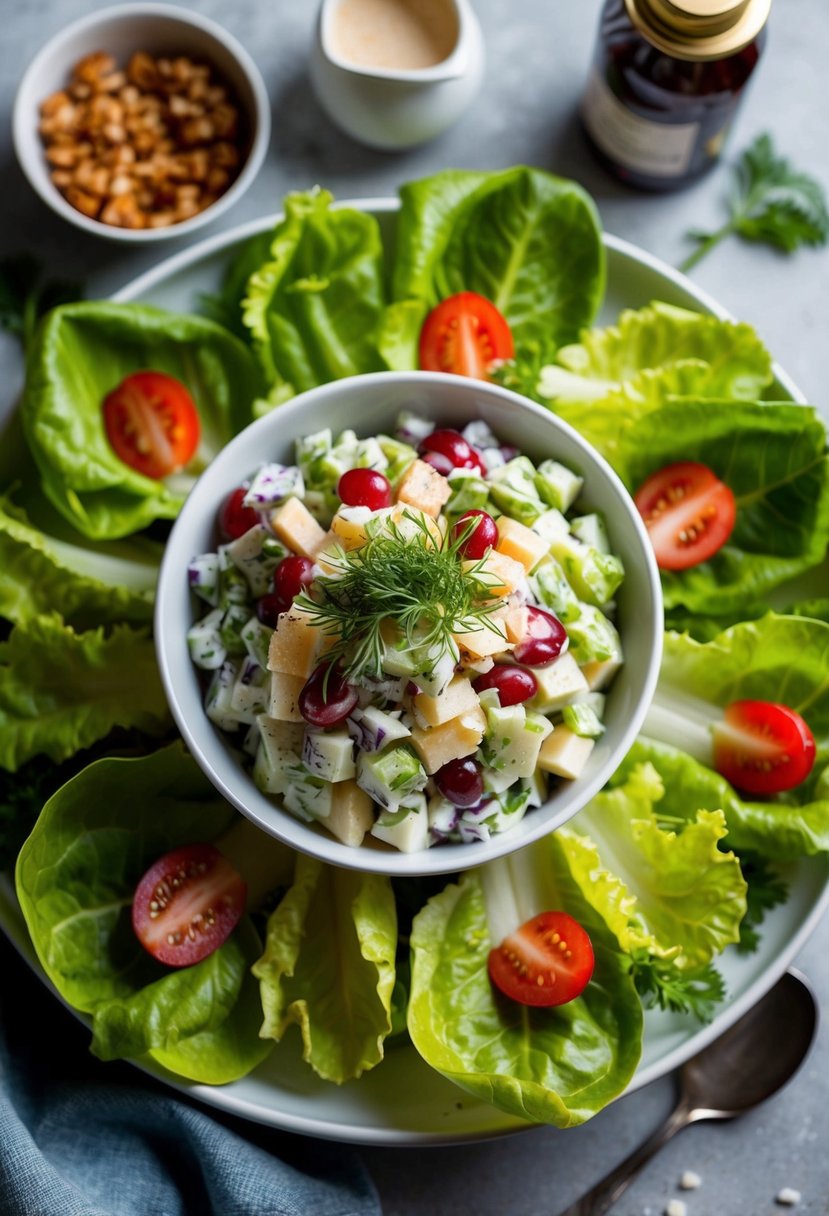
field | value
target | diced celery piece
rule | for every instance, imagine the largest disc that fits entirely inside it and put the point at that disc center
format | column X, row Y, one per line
column 591, row 530
column 308, row 796
column 511, row 745
column 391, row 775
column 551, row 525
column 398, row 455
column 230, row 630
column 551, row 588
column 369, row 454
column 469, row 493
column 594, row 576
column 593, row 637
column 310, row 450
column 257, row 640
column 583, row 720
column 558, row 485
column 512, row 487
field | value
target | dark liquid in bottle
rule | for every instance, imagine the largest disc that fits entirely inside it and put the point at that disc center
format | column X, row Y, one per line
column 656, row 121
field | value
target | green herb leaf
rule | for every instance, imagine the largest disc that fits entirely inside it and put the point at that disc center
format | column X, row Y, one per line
column 661, row 983
column 402, row 575
column 25, row 297
column 766, row 889
column 772, row 202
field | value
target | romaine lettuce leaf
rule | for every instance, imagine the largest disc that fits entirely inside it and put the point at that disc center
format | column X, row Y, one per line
column 81, row 352
column 773, row 458
column 88, row 585
column 558, row 1065
column 314, row 306
column 662, row 335
column 776, row 658
column 689, row 893
column 76, row 876
column 61, row 691
column 526, row 240
column 329, row 967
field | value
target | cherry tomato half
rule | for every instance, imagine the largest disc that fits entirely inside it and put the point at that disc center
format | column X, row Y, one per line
column 187, row 904
column 465, row 334
column 689, row 514
column 547, row 961
column 152, row 423
column 762, row 747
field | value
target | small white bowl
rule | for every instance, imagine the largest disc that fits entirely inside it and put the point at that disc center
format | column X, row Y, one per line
column 370, row 404
column 157, row 29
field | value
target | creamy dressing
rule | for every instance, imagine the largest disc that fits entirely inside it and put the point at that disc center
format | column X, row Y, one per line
column 396, row 35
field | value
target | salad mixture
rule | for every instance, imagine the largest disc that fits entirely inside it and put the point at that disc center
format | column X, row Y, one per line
column 190, row 938
column 386, row 623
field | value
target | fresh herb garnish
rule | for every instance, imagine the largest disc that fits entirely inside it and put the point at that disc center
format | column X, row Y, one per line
column 766, row 889
column 772, row 202
column 412, row 581
column 25, row 296
column 660, row 983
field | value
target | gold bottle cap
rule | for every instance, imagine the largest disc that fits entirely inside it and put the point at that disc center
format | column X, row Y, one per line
column 699, row 29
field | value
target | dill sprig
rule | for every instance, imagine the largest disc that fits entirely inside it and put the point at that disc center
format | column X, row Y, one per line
column 412, row 583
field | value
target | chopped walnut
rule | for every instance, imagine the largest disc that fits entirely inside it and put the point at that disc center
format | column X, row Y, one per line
column 146, row 146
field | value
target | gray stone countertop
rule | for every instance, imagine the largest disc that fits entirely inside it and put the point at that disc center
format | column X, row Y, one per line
column 538, row 56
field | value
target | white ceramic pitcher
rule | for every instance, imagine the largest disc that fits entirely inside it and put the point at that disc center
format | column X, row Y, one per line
column 396, row 107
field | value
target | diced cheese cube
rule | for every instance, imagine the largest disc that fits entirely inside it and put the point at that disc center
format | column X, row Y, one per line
column 422, row 486
column 500, row 574
column 519, row 542
column 558, row 683
column 457, row 697
column 599, row 674
column 565, row 753
column 351, row 814
column 295, row 643
column 296, row 527
column 437, row 745
column 487, row 639
column 284, row 699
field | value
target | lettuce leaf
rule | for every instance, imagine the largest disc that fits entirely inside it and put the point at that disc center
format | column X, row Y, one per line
column 81, row 352
column 688, row 892
column 776, row 658
column 558, row 1065
column 61, row 691
column 328, row 966
column 526, row 240
column 773, row 458
column 313, row 308
column 90, row 586
column 76, row 876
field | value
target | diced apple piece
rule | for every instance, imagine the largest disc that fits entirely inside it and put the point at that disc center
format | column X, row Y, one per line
column 410, row 523
column 351, row 814
column 565, row 753
column 294, row 644
column 598, row 674
column 516, row 621
column 296, row 527
column 457, row 697
column 423, row 487
column 349, row 526
column 329, row 754
column 519, row 542
column 410, row 834
column 500, row 574
column 558, row 683
column 437, row 745
column 284, row 699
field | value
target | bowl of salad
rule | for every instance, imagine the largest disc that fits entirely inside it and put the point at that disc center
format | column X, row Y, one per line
column 408, row 622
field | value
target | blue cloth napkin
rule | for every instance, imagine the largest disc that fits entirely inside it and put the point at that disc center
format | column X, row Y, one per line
column 81, row 1138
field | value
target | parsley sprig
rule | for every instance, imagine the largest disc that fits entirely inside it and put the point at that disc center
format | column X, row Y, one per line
column 772, row 202
column 410, row 578
column 661, row 983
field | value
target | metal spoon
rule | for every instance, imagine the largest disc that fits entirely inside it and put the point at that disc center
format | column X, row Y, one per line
column 747, row 1064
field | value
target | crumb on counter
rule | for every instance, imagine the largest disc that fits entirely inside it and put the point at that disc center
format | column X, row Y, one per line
column 143, row 147
column 689, row 1181
column 787, row 1197
column 676, row 1208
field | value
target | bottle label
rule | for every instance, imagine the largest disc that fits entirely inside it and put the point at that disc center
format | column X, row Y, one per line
column 657, row 149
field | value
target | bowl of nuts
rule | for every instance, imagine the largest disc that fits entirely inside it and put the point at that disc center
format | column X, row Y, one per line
column 141, row 122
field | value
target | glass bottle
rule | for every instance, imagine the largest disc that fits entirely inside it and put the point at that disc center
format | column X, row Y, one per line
column 667, row 78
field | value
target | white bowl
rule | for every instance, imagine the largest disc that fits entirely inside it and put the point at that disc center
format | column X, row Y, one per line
column 370, row 404
column 157, row 29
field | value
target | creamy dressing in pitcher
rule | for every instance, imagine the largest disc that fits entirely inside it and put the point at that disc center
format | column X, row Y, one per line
column 395, row 35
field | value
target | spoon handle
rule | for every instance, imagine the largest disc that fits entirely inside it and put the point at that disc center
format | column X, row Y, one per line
column 604, row 1194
